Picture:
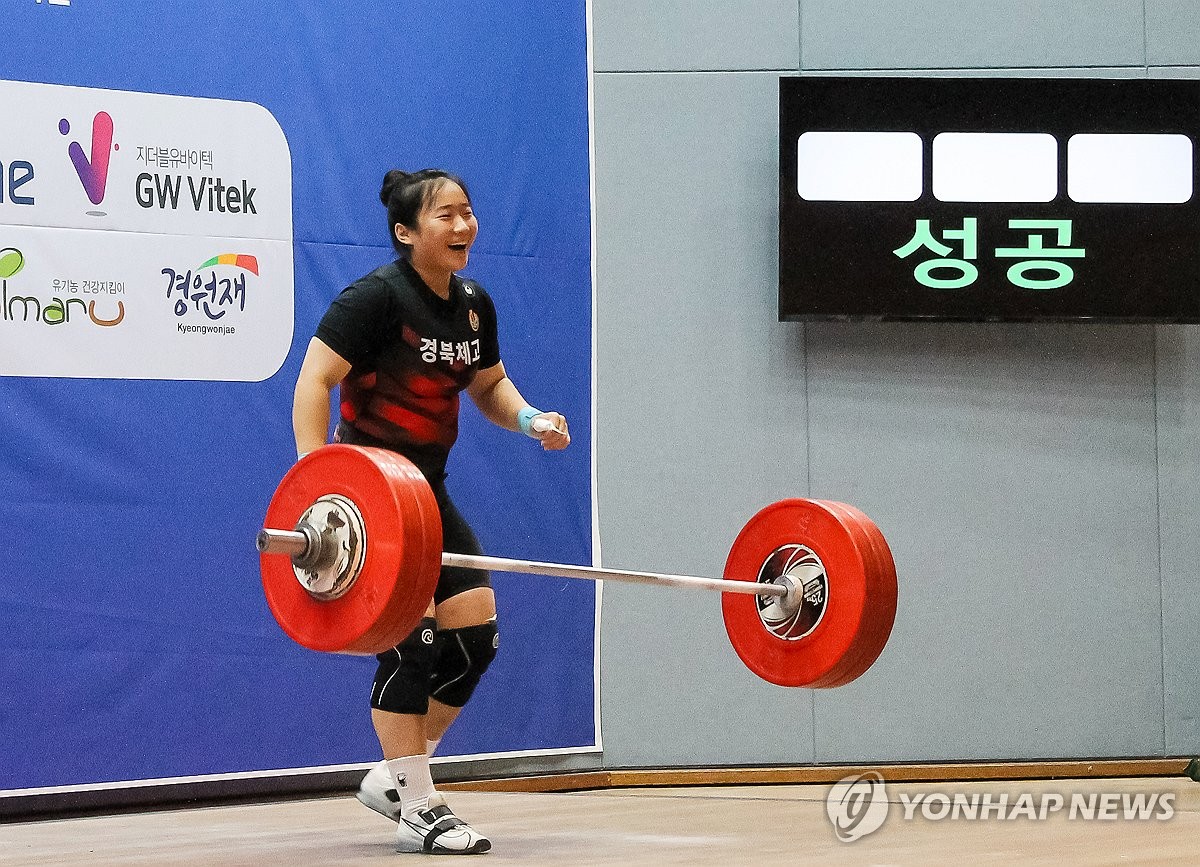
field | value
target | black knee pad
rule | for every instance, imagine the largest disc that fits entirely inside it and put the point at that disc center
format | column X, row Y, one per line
column 463, row 656
column 402, row 678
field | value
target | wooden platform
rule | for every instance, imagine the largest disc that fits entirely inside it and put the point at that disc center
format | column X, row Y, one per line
column 806, row 774
column 727, row 825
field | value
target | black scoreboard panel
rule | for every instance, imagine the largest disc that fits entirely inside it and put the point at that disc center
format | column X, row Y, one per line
column 986, row 199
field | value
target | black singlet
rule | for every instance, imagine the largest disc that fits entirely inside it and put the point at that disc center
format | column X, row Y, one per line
column 411, row 353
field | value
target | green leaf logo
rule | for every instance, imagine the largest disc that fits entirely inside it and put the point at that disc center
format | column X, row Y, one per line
column 11, row 261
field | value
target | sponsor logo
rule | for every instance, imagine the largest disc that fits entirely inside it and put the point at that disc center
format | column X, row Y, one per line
column 13, row 176
column 427, row 636
column 12, row 261
column 474, row 320
column 92, row 167
column 53, row 311
column 222, row 310
column 210, row 291
column 203, row 193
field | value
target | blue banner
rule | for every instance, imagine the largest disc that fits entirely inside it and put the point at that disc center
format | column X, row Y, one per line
column 135, row 638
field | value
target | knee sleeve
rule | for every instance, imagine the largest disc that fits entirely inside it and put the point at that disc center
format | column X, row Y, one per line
column 463, row 656
column 402, row 678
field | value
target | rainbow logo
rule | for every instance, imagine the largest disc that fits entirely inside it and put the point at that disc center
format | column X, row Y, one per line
column 240, row 260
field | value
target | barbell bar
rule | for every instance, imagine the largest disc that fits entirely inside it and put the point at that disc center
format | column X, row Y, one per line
column 306, row 547
column 809, row 593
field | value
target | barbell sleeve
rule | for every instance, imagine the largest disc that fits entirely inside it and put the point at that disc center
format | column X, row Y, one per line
column 290, row 542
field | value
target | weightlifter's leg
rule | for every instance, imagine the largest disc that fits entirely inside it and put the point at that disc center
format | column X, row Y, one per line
column 399, row 706
column 467, row 642
column 465, row 621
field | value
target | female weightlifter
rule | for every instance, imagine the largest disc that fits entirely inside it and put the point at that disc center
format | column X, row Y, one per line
column 402, row 342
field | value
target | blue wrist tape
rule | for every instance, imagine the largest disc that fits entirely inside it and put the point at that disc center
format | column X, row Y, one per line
column 525, row 419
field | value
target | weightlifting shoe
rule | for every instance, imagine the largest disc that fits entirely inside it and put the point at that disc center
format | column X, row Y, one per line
column 378, row 791
column 437, row 831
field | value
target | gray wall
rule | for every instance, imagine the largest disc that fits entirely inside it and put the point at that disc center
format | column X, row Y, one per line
column 1037, row 483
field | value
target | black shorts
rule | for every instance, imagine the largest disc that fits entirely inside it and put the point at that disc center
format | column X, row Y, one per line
column 457, row 538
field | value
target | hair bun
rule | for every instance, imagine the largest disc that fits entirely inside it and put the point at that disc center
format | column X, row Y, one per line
column 390, row 181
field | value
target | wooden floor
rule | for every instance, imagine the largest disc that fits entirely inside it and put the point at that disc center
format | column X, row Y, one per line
column 752, row 825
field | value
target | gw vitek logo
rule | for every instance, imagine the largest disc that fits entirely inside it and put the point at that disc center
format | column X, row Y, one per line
column 204, row 193
column 859, row 805
column 92, row 168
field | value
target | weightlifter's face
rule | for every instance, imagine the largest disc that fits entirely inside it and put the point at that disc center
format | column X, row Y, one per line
column 445, row 230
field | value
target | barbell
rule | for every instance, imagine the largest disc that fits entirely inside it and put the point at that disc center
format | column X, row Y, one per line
column 808, row 594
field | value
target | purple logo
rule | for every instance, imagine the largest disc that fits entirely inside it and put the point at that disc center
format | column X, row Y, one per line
column 93, row 168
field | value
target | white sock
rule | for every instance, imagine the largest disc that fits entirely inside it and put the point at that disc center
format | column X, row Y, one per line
column 411, row 775
column 431, row 746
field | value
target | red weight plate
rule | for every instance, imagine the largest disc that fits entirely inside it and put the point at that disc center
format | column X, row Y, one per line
column 884, row 599
column 850, row 665
column 876, row 625
column 846, row 668
column 419, row 570
column 847, row 561
column 419, row 574
column 394, row 587
column 887, row 597
column 430, row 517
column 879, row 616
column 431, row 521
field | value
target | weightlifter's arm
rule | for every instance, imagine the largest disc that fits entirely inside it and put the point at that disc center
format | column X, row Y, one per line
column 501, row 404
column 320, row 373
